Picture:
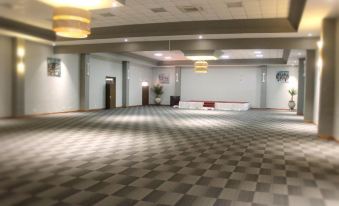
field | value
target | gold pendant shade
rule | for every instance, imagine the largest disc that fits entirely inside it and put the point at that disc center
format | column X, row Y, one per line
column 71, row 22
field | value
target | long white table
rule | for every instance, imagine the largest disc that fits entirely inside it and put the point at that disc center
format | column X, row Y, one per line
column 191, row 105
column 218, row 105
column 241, row 106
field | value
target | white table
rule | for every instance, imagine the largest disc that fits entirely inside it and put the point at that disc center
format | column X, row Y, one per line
column 227, row 106
column 191, row 105
column 233, row 106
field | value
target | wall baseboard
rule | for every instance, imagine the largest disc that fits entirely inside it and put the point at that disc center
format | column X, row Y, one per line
column 309, row 122
column 326, row 137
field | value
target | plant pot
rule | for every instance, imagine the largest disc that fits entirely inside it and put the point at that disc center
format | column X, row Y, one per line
column 291, row 105
column 157, row 100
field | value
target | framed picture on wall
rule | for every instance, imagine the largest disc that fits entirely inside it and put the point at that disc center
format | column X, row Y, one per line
column 164, row 78
column 282, row 76
column 54, row 67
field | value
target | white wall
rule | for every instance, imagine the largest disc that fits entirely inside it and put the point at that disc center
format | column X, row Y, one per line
column 169, row 89
column 45, row 94
column 5, row 76
column 137, row 74
column 277, row 93
column 222, row 84
column 100, row 68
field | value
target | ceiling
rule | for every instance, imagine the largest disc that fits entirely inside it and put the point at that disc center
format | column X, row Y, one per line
column 153, row 11
column 160, row 11
column 227, row 54
column 139, row 13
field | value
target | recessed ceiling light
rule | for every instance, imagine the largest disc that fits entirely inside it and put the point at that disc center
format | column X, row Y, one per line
column 168, row 58
column 259, row 55
column 257, row 52
column 158, row 54
column 126, row 40
column 225, row 56
column 201, row 37
column 310, row 34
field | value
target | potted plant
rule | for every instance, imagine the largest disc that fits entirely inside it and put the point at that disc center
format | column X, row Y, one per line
column 158, row 91
column 291, row 103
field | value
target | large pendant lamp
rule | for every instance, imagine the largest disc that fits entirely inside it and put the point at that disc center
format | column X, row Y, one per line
column 71, row 22
column 201, row 66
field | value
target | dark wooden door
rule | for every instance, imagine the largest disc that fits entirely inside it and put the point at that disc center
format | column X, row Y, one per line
column 110, row 95
column 145, row 95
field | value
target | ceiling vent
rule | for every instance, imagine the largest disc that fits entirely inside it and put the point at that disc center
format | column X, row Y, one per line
column 234, row 4
column 107, row 14
column 159, row 10
column 190, row 9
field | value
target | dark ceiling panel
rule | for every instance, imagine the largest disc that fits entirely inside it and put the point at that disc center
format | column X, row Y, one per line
column 26, row 29
column 197, row 45
column 226, row 62
column 193, row 28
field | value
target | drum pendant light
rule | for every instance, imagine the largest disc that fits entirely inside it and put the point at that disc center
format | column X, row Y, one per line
column 71, row 22
column 201, row 66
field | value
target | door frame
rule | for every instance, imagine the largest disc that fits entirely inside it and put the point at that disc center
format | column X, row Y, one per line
column 108, row 81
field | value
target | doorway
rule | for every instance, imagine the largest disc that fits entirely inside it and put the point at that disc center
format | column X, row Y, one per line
column 110, row 92
column 145, row 94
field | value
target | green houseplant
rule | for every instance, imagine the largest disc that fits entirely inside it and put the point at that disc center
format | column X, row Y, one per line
column 158, row 91
column 291, row 103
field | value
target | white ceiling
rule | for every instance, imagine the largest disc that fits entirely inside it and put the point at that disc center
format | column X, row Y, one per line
column 139, row 11
column 231, row 54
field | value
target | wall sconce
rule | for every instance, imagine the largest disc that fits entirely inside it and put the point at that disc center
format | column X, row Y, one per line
column 144, row 84
column 21, row 67
column 21, row 52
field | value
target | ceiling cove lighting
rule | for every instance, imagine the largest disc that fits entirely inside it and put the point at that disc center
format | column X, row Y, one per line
column 201, row 67
column 71, row 22
column 83, row 4
column 201, row 58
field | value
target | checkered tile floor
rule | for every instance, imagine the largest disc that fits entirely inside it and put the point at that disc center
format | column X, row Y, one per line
column 162, row 156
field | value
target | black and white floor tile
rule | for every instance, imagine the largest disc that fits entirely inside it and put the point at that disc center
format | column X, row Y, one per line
column 147, row 156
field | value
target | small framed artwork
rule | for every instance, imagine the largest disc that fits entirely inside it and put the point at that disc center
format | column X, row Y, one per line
column 282, row 76
column 164, row 78
column 54, row 67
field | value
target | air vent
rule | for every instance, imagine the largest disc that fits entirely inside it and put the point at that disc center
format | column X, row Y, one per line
column 234, row 4
column 158, row 10
column 107, row 14
column 190, row 9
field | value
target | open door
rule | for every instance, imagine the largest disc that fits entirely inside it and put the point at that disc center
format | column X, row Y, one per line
column 145, row 95
column 110, row 93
